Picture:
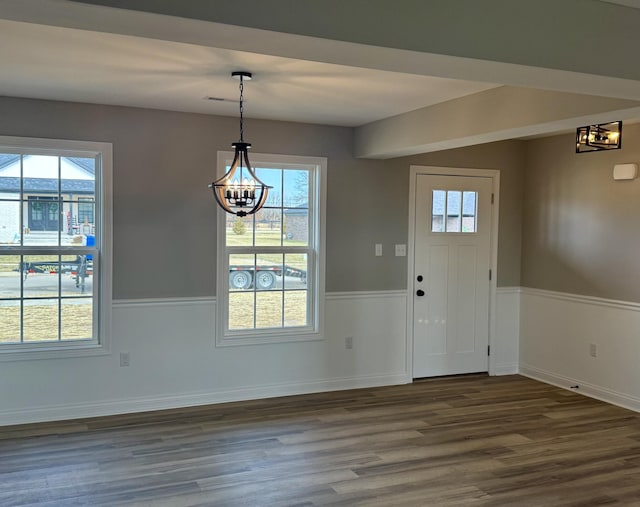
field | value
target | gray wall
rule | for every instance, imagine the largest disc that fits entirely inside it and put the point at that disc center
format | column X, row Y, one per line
column 164, row 214
column 581, row 232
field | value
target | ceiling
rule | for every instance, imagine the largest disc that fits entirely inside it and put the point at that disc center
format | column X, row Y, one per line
column 85, row 51
column 57, row 63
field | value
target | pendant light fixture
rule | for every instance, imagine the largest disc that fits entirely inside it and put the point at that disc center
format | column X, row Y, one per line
column 604, row 136
column 240, row 192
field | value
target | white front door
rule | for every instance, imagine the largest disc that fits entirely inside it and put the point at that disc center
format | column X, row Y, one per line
column 451, row 274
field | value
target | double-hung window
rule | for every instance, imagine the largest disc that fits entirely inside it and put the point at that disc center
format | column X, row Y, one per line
column 55, row 229
column 271, row 264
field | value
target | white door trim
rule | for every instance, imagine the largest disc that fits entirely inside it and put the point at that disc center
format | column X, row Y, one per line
column 494, row 174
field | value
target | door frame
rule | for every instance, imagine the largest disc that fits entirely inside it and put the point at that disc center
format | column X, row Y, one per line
column 494, row 174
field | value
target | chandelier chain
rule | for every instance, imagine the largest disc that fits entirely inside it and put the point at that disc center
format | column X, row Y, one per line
column 241, row 109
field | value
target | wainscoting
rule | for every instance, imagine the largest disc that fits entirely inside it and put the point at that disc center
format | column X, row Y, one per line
column 174, row 361
column 557, row 332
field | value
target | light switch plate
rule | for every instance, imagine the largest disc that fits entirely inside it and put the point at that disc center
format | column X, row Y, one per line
column 378, row 249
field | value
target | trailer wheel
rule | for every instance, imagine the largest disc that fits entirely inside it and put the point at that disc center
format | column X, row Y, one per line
column 240, row 279
column 265, row 280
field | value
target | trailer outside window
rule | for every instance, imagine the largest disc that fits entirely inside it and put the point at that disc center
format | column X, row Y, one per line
column 270, row 263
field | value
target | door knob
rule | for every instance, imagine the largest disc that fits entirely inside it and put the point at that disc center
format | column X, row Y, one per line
column 419, row 278
column 420, row 292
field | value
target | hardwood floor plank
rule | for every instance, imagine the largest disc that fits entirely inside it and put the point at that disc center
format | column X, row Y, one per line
column 470, row 440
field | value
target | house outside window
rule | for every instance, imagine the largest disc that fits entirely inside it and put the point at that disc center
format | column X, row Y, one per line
column 271, row 264
column 55, row 262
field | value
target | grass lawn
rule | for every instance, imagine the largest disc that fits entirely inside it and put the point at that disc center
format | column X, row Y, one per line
column 41, row 322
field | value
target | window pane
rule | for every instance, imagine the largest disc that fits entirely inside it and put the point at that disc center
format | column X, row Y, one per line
column 9, row 321
column 296, row 268
column 269, row 272
column 269, row 227
column 454, row 207
column 9, row 220
column 296, row 189
column 272, row 178
column 269, row 309
column 41, row 320
column 241, row 270
column 295, row 308
column 241, row 310
column 80, row 217
column 77, row 318
column 76, row 275
column 43, row 219
column 296, row 226
column 469, row 207
column 9, row 276
column 41, row 275
column 437, row 210
column 239, row 230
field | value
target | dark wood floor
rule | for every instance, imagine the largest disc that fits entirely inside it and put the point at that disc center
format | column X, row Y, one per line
column 463, row 441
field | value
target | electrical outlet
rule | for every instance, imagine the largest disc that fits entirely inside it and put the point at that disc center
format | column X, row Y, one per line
column 348, row 342
column 593, row 351
column 124, row 359
column 401, row 250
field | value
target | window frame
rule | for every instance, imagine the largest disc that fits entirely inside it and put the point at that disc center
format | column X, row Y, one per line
column 102, row 262
column 316, row 257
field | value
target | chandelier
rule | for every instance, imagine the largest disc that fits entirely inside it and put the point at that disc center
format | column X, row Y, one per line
column 240, row 192
column 604, row 136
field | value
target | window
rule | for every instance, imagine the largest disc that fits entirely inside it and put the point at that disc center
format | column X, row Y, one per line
column 55, row 274
column 270, row 265
column 454, row 211
column 85, row 211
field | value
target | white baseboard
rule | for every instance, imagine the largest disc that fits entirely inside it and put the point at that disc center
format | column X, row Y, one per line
column 146, row 404
column 506, row 369
column 593, row 391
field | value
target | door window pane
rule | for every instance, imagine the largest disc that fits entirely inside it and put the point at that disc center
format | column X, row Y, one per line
column 439, row 201
column 469, row 210
column 454, row 211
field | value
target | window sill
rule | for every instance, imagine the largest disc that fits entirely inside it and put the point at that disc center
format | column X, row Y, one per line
column 267, row 338
column 51, row 351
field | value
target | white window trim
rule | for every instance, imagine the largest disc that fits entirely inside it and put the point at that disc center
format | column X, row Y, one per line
column 315, row 331
column 104, row 192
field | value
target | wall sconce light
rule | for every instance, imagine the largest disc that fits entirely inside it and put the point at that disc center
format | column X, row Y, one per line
column 625, row 171
column 605, row 136
column 240, row 192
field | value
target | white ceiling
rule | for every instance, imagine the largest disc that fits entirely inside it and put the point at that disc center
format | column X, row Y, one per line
column 50, row 62
column 67, row 50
